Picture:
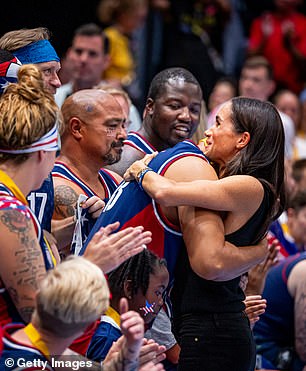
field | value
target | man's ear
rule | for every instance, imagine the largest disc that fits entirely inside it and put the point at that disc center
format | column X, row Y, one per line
column 149, row 107
column 243, row 140
column 75, row 127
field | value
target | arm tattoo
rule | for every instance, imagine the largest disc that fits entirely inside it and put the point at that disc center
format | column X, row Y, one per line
column 65, row 199
column 28, row 265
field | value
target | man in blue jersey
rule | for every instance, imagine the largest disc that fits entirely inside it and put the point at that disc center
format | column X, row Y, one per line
column 94, row 130
column 161, row 132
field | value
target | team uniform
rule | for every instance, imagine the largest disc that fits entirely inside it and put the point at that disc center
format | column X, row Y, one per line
column 138, row 142
column 21, row 353
column 274, row 333
column 41, row 202
column 107, row 332
column 8, row 201
column 132, row 207
column 108, row 182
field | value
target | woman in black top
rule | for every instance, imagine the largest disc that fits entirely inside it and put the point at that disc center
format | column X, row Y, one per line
column 247, row 146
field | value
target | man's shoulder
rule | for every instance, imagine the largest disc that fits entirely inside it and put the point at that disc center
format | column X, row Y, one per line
column 186, row 148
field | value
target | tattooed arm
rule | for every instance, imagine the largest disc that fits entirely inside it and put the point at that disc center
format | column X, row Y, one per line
column 297, row 288
column 21, row 260
column 63, row 222
column 66, row 195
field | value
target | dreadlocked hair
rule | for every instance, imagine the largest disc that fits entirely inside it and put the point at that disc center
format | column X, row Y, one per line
column 137, row 270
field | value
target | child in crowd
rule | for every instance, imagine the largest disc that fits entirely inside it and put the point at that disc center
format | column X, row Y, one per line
column 143, row 280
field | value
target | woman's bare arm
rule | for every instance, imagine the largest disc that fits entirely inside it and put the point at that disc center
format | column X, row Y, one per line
column 21, row 260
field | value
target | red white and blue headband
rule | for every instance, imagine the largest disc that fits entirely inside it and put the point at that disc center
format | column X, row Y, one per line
column 49, row 142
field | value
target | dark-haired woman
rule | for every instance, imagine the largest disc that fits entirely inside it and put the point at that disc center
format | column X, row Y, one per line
column 247, row 145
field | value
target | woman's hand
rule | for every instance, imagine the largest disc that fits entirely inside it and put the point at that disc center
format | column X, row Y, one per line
column 132, row 172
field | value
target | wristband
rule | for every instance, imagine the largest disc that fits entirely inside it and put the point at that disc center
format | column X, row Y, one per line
column 140, row 176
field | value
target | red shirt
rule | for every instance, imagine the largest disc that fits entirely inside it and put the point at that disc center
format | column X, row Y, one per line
column 285, row 69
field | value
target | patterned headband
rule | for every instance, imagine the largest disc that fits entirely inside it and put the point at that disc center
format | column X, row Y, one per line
column 49, row 142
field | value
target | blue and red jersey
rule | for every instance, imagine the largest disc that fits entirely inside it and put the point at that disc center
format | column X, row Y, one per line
column 108, row 182
column 131, row 206
column 41, row 201
column 139, row 142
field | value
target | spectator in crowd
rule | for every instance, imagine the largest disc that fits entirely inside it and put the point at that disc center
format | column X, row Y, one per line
column 290, row 227
column 224, row 89
column 280, row 36
column 299, row 173
column 256, row 81
column 87, row 59
column 122, row 19
column 288, row 102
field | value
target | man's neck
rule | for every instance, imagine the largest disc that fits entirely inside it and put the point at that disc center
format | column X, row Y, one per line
column 86, row 170
column 153, row 139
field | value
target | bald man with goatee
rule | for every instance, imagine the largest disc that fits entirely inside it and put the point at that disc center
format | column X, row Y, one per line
column 94, row 131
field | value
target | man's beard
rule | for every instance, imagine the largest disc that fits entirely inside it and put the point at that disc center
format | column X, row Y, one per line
column 113, row 157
